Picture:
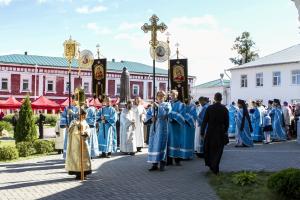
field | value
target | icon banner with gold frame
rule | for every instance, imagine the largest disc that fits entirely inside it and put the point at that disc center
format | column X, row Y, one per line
column 179, row 77
column 99, row 77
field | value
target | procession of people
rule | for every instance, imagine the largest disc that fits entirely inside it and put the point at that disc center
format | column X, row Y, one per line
column 175, row 131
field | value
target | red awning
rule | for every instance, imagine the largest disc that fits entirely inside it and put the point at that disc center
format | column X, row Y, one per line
column 10, row 103
column 44, row 103
column 65, row 103
column 96, row 103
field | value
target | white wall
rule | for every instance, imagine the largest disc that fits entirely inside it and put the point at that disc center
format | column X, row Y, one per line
column 285, row 92
column 210, row 93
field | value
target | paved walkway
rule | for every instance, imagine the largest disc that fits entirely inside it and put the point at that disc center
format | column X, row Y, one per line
column 127, row 177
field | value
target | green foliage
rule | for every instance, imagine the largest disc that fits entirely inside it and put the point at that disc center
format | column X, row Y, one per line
column 5, row 126
column 8, row 118
column 8, row 153
column 243, row 45
column 286, row 183
column 244, row 178
column 25, row 149
column 51, row 119
column 43, row 146
column 25, row 129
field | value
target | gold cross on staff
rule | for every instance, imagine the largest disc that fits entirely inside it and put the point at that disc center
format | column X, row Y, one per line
column 154, row 27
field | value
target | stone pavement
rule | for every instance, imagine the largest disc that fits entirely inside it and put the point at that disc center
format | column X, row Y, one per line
column 127, row 177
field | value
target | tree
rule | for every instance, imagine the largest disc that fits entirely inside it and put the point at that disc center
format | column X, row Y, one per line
column 26, row 129
column 243, row 45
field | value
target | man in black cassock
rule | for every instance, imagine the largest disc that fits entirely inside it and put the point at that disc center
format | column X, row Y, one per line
column 40, row 123
column 214, row 129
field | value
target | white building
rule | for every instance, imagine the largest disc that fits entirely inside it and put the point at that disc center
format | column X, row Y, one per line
column 273, row 76
column 210, row 88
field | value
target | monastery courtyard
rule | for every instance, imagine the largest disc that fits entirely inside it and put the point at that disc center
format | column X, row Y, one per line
column 127, row 177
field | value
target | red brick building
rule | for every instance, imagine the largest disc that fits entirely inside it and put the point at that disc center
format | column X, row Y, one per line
column 48, row 76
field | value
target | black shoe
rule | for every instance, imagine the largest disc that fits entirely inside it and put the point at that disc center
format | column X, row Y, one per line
column 162, row 166
column 153, row 168
column 77, row 177
column 132, row 153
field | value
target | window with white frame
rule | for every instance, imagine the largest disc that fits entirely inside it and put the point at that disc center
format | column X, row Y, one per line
column 25, row 84
column 4, row 84
column 244, row 81
column 67, row 85
column 276, row 78
column 296, row 77
column 135, row 90
column 86, row 87
column 259, row 80
column 118, row 89
column 50, row 86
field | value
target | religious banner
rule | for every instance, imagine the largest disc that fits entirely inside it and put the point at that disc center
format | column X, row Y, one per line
column 99, row 77
column 179, row 77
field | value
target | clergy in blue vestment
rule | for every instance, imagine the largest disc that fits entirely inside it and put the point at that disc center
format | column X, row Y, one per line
column 158, row 136
column 244, row 127
column 204, row 103
column 67, row 116
column 107, row 136
column 176, row 128
column 188, row 136
column 93, row 140
column 232, row 110
column 278, row 133
column 256, row 122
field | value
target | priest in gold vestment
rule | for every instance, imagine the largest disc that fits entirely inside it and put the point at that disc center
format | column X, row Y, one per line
column 73, row 162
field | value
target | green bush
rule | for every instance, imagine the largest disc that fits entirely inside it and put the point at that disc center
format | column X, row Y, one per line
column 8, row 118
column 8, row 153
column 25, row 149
column 51, row 119
column 244, row 178
column 43, row 146
column 26, row 129
column 286, row 183
column 5, row 125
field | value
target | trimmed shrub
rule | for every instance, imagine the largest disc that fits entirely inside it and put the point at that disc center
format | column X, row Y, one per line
column 286, row 183
column 43, row 146
column 8, row 153
column 25, row 149
column 8, row 118
column 5, row 126
column 51, row 120
column 244, row 178
column 25, row 129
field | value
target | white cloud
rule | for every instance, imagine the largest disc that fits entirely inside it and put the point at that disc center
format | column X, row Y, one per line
column 88, row 10
column 97, row 29
column 206, row 44
column 125, row 26
column 5, row 2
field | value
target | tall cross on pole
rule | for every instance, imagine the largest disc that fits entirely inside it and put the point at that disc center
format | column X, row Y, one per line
column 154, row 27
column 168, row 42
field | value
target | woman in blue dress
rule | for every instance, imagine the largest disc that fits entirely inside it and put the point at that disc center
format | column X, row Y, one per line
column 244, row 127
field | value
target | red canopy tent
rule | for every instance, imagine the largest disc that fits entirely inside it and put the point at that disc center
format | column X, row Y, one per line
column 10, row 103
column 96, row 103
column 65, row 103
column 44, row 104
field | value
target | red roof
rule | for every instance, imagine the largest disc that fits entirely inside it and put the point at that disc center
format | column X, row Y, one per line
column 44, row 103
column 10, row 103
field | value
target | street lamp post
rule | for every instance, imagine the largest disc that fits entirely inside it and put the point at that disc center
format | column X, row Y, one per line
column 35, row 80
column 154, row 27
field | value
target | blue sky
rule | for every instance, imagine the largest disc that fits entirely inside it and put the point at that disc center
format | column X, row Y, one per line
column 205, row 29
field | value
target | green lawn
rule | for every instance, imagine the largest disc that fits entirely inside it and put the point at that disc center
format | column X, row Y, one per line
column 227, row 190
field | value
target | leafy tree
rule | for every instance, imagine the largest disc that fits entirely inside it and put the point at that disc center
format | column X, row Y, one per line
column 244, row 46
column 25, row 129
